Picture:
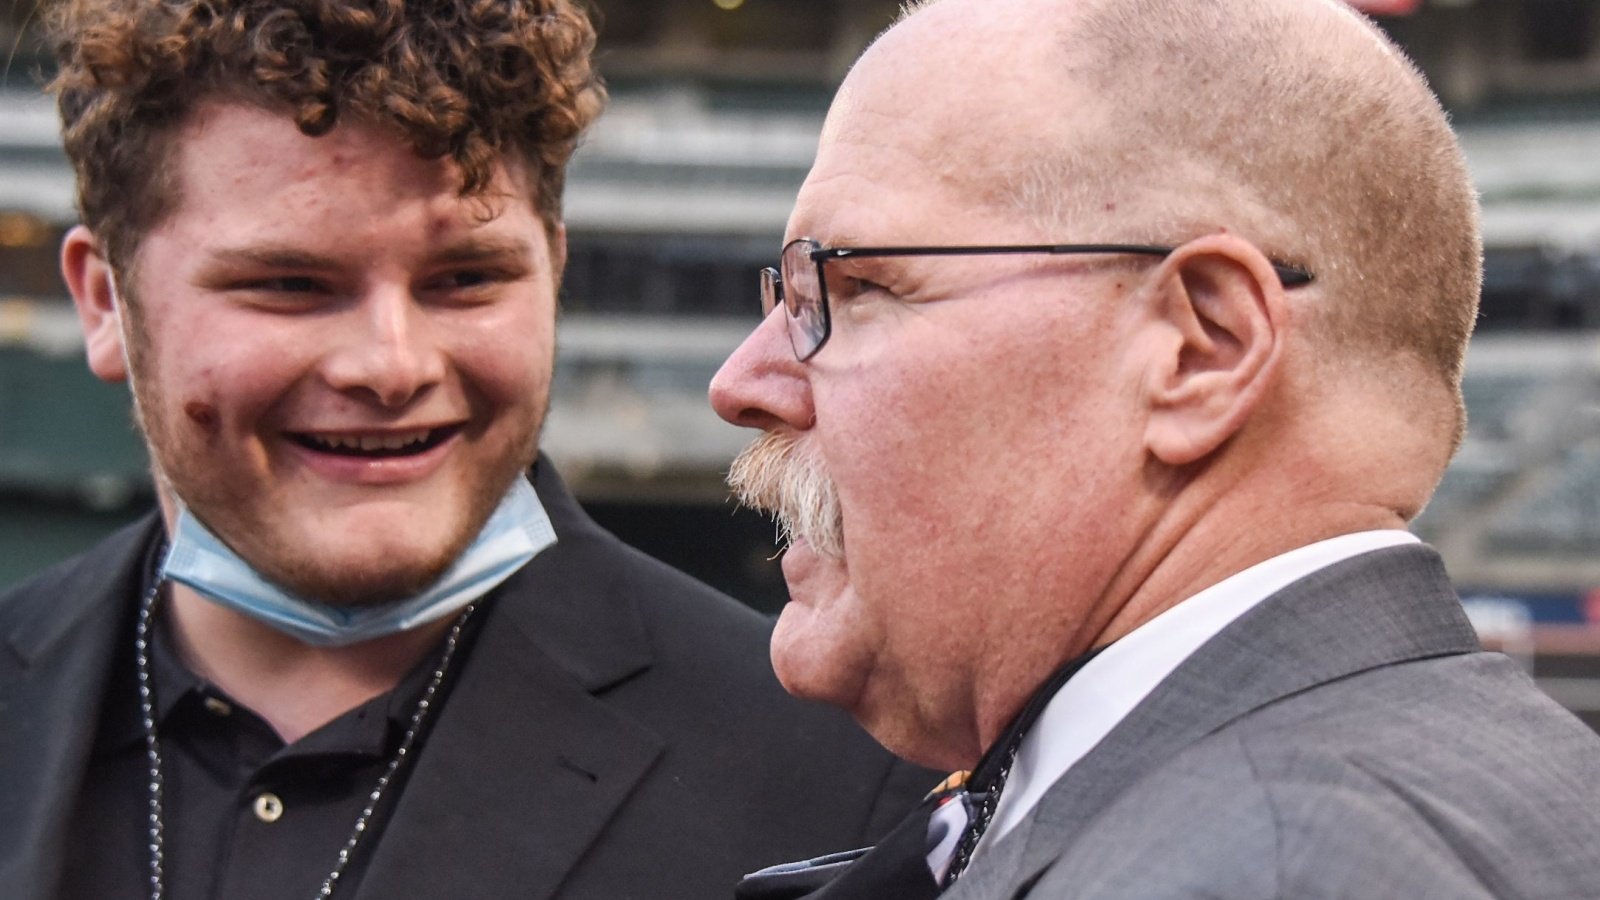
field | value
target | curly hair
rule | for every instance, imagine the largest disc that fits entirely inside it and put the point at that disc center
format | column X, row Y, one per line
column 473, row 80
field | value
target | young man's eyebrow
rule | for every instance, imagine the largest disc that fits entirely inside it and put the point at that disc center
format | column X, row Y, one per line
column 480, row 248
column 279, row 256
column 273, row 256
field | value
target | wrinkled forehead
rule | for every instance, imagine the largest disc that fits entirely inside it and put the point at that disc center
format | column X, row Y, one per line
column 941, row 110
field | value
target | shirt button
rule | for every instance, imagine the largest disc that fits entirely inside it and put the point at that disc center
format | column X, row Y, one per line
column 218, row 706
column 268, row 807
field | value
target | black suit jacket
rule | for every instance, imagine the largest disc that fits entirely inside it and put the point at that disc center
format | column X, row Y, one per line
column 616, row 732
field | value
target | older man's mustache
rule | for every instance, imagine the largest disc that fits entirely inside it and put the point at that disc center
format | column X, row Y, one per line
column 776, row 475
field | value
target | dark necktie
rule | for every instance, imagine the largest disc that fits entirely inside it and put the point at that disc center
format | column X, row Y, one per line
column 897, row 867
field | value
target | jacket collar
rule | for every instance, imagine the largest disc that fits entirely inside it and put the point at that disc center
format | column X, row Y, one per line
column 60, row 634
column 525, row 739
column 1377, row 609
column 63, row 599
column 578, row 614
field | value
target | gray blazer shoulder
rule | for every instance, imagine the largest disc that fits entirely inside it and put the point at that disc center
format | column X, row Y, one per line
column 1346, row 739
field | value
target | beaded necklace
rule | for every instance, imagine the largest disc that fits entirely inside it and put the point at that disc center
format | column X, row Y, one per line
column 152, row 744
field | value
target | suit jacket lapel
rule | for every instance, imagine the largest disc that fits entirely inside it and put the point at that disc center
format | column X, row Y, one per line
column 60, row 641
column 526, row 763
column 1377, row 609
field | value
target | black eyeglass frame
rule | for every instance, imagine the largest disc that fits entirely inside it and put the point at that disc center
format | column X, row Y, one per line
column 772, row 291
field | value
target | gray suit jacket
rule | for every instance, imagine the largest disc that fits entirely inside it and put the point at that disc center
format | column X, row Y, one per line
column 1347, row 738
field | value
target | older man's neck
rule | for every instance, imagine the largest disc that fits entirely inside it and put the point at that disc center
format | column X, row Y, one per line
column 1180, row 556
column 1217, row 547
column 295, row 687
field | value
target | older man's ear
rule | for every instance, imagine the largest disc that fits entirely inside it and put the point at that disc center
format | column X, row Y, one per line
column 1218, row 314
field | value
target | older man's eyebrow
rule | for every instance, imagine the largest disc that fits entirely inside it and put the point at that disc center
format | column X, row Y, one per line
column 843, row 239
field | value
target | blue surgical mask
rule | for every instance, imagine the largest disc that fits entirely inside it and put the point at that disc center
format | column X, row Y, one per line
column 517, row 531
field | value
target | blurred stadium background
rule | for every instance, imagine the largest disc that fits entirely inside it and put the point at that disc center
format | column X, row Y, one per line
column 680, row 195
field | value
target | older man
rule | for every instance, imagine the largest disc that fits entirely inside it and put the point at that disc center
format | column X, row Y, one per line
column 1119, row 341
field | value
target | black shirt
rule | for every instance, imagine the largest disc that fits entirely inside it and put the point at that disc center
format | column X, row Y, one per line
column 247, row 817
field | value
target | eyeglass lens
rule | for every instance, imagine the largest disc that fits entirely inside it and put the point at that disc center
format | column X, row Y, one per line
column 802, row 294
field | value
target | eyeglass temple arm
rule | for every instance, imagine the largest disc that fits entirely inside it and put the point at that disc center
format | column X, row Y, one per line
column 1288, row 276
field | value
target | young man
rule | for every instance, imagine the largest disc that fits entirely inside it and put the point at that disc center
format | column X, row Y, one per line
column 356, row 653
column 1120, row 339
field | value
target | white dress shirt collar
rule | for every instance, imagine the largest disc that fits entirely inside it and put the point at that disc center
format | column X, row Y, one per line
column 1109, row 687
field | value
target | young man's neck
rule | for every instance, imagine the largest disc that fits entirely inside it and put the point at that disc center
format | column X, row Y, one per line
column 296, row 687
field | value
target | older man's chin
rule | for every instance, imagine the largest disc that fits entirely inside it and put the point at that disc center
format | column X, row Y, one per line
column 827, row 647
column 818, row 649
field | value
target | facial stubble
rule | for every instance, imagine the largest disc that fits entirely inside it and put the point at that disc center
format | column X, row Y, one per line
column 226, row 509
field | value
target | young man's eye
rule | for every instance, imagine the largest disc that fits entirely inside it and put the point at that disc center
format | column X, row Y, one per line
column 292, row 284
column 280, row 286
column 469, row 279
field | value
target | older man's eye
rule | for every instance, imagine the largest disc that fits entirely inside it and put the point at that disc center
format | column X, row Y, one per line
column 851, row 289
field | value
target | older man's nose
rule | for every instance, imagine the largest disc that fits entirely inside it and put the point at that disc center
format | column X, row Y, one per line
column 762, row 385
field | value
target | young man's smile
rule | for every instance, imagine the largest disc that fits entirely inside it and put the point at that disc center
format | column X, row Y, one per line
column 340, row 363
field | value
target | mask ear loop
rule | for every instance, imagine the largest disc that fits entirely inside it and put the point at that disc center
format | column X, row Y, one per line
column 117, row 311
column 120, row 312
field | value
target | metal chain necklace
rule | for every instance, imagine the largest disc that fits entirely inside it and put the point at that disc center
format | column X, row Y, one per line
column 152, row 745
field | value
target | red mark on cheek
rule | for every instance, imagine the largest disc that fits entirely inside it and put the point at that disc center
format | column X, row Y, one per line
column 1111, row 207
column 202, row 414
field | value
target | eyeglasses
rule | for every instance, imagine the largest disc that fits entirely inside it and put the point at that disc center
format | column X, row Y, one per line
column 802, row 284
